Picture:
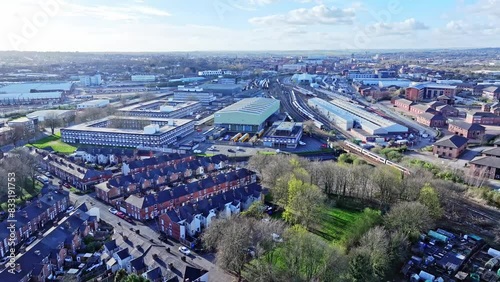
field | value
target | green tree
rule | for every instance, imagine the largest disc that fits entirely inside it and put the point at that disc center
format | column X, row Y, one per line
column 135, row 278
column 121, row 275
column 304, row 202
column 429, row 198
column 358, row 270
column 256, row 210
column 369, row 219
column 410, row 218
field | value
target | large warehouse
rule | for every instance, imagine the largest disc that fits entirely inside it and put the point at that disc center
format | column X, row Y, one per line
column 248, row 115
column 26, row 93
column 348, row 115
column 128, row 132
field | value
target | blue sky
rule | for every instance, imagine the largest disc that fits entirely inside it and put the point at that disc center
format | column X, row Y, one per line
column 214, row 25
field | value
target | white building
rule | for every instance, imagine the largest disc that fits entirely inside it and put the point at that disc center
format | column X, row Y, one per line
column 194, row 94
column 292, row 67
column 143, row 77
column 214, row 72
column 87, row 80
column 100, row 103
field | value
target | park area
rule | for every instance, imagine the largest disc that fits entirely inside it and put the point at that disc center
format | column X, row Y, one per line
column 54, row 142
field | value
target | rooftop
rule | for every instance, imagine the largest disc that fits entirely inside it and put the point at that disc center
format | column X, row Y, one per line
column 94, row 102
column 29, row 87
column 156, row 106
column 167, row 125
column 467, row 126
column 453, row 141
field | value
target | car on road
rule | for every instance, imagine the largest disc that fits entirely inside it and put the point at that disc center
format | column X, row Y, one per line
column 302, row 143
column 70, row 209
column 67, row 185
column 30, row 241
column 184, row 250
column 197, row 151
column 231, row 151
column 112, row 210
column 120, row 215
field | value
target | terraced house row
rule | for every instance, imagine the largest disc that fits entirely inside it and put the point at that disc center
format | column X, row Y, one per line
column 35, row 216
column 47, row 257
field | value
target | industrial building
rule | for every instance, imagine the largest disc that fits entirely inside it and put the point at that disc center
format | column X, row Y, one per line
column 88, row 80
column 194, row 94
column 347, row 116
column 224, row 89
column 214, row 72
column 99, row 103
column 143, row 78
column 162, row 109
column 36, row 92
column 128, row 132
column 59, row 114
column 248, row 115
column 283, row 135
column 383, row 82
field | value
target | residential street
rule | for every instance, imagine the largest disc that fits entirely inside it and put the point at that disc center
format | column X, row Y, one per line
column 146, row 233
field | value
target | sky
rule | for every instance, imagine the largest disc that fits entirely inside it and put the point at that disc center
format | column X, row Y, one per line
column 246, row 25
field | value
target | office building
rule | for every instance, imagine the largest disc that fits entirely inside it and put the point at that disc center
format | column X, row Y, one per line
column 485, row 118
column 224, row 89
column 429, row 91
column 247, row 115
column 194, row 94
column 162, row 109
column 128, row 132
column 214, row 72
column 283, row 135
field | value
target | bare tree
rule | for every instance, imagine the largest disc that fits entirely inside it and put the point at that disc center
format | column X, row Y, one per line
column 410, row 218
column 52, row 121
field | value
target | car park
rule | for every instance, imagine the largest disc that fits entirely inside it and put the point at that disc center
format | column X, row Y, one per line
column 184, row 250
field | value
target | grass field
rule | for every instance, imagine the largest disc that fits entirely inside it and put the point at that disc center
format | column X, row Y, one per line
column 55, row 142
column 266, row 153
column 334, row 223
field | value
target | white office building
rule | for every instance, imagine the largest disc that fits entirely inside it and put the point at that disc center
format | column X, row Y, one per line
column 214, row 72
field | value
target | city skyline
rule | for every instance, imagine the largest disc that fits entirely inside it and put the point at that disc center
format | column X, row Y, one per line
column 250, row 25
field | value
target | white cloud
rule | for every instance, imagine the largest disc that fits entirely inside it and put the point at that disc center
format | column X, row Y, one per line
column 405, row 27
column 319, row 14
column 114, row 13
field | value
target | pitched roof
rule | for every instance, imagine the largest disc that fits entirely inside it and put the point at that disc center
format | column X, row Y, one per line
column 494, row 89
column 123, row 253
column 467, row 126
column 486, row 161
column 453, row 141
column 155, row 273
column 495, row 151
column 111, row 245
column 193, row 273
column 430, row 116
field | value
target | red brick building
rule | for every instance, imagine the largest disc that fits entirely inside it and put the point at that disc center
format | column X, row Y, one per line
column 403, row 104
column 431, row 120
column 450, row 147
column 447, row 110
column 429, row 91
column 485, row 118
column 468, row 130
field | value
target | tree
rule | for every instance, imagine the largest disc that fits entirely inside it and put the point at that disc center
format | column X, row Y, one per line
column 376, row 241
column 410, row 218
column 121, row 275
column 365, row 222
column 52, row 121
column 256, row 210
column 135, row 278
column 358, row 262
column 388, row 180
column 429, row 198
column 304, row 202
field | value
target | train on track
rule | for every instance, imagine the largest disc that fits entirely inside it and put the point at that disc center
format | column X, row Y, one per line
column 375, row 157
column 305, row 112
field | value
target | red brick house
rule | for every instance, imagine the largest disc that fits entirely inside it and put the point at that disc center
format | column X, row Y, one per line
column 403, row 104
column 447, row 110
column 485, row 118
column 485, row 167
column 431, row 120
column 450, row 147
column 468, row 130
column 419, row 109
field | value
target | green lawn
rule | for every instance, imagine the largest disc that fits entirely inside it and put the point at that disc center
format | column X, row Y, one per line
column 266, row 153
column 55, row 142
column 335, row 222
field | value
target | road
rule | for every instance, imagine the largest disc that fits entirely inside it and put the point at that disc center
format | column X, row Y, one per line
column 123, row 227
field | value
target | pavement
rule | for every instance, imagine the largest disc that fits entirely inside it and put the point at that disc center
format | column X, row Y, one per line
column 123, row 228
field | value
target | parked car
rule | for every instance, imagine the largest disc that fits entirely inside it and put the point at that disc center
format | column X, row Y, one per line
column 184, row 250
column 112, row 210
column 67, row 185
column 197, row 151
column 302, row 143
column 231, row 151
column 70, row 209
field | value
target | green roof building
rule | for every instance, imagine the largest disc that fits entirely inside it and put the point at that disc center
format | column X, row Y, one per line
column 248, row 115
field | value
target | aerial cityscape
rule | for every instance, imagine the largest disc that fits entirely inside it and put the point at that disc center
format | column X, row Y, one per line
column 250, row 140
